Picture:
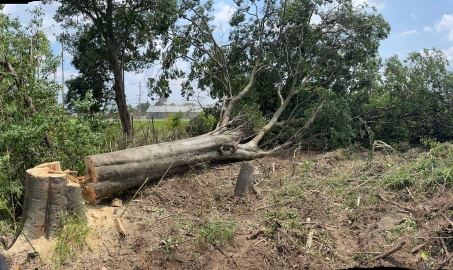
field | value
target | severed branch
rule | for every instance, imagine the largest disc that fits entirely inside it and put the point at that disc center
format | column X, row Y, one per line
column 390, row 252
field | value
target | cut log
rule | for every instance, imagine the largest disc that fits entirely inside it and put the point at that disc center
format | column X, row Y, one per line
column 113, row 172
column 48, row 195
column 244, row 184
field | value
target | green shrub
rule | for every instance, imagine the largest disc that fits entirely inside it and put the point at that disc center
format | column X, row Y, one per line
column 174, row 128
column 201, row 124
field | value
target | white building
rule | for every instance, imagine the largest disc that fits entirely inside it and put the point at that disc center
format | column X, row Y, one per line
column 162, row 112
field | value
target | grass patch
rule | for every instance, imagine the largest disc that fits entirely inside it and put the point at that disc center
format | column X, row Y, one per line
column 215, row 234
column 70, row 239
column 430, row 171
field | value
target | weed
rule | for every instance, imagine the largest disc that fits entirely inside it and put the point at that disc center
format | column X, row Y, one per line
column 159, row 211
column 399, row 179
column 216, row 233
column 71, row 238
column 407, row 224
column 170, row 244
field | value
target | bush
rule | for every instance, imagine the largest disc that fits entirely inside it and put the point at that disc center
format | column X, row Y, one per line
column 201, row 124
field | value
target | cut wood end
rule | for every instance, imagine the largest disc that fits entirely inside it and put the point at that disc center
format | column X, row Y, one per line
column 44, row 172
column 55, row 166
column 90, row 170
column 78, row 180
column 73, row 179
column 89, row 194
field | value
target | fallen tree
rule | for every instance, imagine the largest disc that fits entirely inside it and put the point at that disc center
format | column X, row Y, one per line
column 113, row 172
column 275, row 56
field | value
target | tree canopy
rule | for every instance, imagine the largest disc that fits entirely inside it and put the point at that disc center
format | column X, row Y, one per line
column 112, row 37
column 285, row 56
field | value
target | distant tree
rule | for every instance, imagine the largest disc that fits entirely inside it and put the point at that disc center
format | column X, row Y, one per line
column 90, row 59
column 161, row 101
column 143, row 107
column 413, row 99
column 114, row 36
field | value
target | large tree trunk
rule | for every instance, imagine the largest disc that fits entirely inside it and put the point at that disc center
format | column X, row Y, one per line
column 48, row 195
column 120, row 98
column 110, row 173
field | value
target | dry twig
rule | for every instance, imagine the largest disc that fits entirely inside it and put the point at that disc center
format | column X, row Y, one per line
column 390, row 252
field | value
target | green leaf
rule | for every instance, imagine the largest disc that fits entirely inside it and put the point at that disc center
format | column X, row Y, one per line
column 424, row 255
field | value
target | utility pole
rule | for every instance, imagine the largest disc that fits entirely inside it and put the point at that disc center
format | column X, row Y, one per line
column 62, row 72
column 140, row 100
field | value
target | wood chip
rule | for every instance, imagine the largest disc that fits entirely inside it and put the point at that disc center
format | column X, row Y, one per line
column 117, row 203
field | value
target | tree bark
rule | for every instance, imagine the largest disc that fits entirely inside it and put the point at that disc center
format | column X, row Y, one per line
column 110, row 173
column 48, row 195
column 244, row 184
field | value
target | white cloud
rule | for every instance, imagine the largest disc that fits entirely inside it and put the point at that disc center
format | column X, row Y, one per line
column 223, row 13
column 407, row 33
column 445, row 24
column 449, row 54
column 9, row 8
column 427, row 29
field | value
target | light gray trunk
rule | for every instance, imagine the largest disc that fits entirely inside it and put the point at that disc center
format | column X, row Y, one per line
column 113, row 172
column 244, row 184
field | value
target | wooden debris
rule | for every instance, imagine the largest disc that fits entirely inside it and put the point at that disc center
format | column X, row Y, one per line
column 117, row 203
column 417, row 248
column 390, row 252
column 255, row 234
column 403, row 208
column 309, row 239
column 120, row 227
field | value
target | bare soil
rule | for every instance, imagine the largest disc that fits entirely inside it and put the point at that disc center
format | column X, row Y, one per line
column 316, row 211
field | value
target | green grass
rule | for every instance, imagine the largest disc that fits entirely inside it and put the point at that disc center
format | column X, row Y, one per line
column 216, row 233
column 429, row 171
column 70, row 239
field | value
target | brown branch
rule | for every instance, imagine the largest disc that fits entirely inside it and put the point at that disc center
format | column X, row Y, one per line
column 300, row 133
column 390, row 252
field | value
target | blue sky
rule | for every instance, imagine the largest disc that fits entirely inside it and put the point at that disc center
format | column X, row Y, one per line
column 416, row 24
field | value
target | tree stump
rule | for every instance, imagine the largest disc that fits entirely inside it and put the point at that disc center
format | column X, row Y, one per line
column 48, row 195
column 244, row 184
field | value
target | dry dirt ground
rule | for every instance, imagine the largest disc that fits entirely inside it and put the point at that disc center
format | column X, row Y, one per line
column 316, row 211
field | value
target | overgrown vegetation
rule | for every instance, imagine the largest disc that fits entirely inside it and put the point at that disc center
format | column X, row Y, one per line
column 390, row 105
column 33, row 127
column 71, row 239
